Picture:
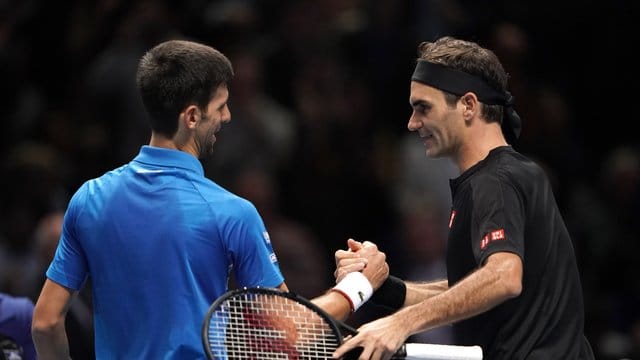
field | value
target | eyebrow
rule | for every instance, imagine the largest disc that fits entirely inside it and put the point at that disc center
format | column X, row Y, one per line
column 418, row 102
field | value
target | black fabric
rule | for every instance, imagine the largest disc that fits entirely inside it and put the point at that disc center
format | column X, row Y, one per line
column 391, row 294
column 459, row 83
column 505, row 204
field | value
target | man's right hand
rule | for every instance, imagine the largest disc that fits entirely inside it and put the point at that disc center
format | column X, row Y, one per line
column 364, row 257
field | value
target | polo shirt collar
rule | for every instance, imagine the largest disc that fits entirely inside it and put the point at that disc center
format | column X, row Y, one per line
column 158, row 156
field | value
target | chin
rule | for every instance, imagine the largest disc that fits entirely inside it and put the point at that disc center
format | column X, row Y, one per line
column 433, row 153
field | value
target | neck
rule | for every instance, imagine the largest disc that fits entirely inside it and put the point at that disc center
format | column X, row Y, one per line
column 161, row 141
column 477, row 145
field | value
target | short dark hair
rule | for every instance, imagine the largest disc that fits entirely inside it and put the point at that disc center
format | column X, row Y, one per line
column 178, row 73
column 471, row 58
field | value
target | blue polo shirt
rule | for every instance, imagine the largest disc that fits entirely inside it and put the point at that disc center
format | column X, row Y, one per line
column 157, row 240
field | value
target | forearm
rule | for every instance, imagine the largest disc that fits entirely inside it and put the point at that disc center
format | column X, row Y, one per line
column 334, row 304
column 47, row 327
column 418, row 292
column 479, row 292
column 51, row 341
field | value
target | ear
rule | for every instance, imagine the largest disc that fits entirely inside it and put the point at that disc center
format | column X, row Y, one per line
column 470, row 105
column 190, row 116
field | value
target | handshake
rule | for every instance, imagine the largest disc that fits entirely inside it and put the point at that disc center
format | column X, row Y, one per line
column 363, row 273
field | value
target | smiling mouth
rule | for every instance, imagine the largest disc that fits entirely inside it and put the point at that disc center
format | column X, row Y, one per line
column 426, row 136
column 426, row 139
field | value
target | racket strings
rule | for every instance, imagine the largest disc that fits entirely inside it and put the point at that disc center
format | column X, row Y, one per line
column 260, row 326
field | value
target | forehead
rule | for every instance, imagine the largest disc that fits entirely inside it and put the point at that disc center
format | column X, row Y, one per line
column 426, row 93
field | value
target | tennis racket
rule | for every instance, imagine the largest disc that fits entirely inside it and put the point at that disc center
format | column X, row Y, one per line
column 266, row 323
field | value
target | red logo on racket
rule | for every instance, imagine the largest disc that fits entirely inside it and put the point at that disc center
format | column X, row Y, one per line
column 273, row 335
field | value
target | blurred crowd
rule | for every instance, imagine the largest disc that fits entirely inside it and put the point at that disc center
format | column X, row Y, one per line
column 318, row 139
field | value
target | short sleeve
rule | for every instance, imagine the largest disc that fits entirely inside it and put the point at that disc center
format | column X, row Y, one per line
column 253, row 258
column 498, row 218
column 69, row 266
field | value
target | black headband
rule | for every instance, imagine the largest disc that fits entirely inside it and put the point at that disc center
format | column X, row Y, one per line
column 459, row 83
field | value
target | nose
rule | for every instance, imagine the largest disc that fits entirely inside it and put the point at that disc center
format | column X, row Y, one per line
column 226, row 116
column 414, row 124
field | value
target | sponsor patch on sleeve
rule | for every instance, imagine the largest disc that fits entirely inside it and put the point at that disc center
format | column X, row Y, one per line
column 491, row 236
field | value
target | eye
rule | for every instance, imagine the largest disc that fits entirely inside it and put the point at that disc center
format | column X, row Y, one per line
column 421, row 108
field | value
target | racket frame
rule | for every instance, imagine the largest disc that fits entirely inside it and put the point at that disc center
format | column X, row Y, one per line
column 260, row 290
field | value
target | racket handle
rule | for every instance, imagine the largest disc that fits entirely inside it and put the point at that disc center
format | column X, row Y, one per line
column 401, row 353
column 415, row 351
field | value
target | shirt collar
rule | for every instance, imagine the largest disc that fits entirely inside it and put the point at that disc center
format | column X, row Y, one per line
column 158, row 156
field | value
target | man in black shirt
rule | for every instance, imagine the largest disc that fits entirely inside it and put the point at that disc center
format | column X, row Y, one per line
column 513, row 285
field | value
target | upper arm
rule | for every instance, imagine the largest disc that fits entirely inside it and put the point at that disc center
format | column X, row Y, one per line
column 508, row 267
column 52, row 305
column 254, row 261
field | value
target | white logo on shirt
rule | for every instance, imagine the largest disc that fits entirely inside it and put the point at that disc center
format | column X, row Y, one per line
column 148, row 171
column 273, row 258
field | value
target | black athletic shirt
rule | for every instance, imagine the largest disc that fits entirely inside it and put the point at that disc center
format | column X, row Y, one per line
column 505, row 203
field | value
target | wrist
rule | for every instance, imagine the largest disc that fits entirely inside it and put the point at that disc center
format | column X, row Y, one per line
column 391, row 294
column 356, row 288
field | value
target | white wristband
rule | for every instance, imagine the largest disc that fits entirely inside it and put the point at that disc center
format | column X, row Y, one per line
column 356, row 288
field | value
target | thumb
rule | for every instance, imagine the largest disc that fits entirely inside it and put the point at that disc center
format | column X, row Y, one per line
column 354, row 245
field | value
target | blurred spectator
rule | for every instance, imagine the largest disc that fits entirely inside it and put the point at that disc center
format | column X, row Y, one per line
column 15, row 328
column 30, row 280
column 291, row 240
column 335, row 155
column 112, row 111
column 424, row 239
column 45, row 240
column 261, row 132
column 604, row 219
column 32, row 184
column 420, row 177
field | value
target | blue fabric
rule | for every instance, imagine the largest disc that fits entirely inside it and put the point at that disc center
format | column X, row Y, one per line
column 157, row 241
column 15, row 324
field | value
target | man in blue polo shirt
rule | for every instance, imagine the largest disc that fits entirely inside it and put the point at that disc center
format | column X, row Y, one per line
column 15, row 328
column 155, row 237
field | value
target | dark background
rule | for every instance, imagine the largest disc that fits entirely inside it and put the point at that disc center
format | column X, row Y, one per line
column 318, row 139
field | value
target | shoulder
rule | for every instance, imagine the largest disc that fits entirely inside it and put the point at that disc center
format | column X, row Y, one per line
column 510, row 172
column 506, row 165
column 97, row 183
column 240, row 207
column 225, row 203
